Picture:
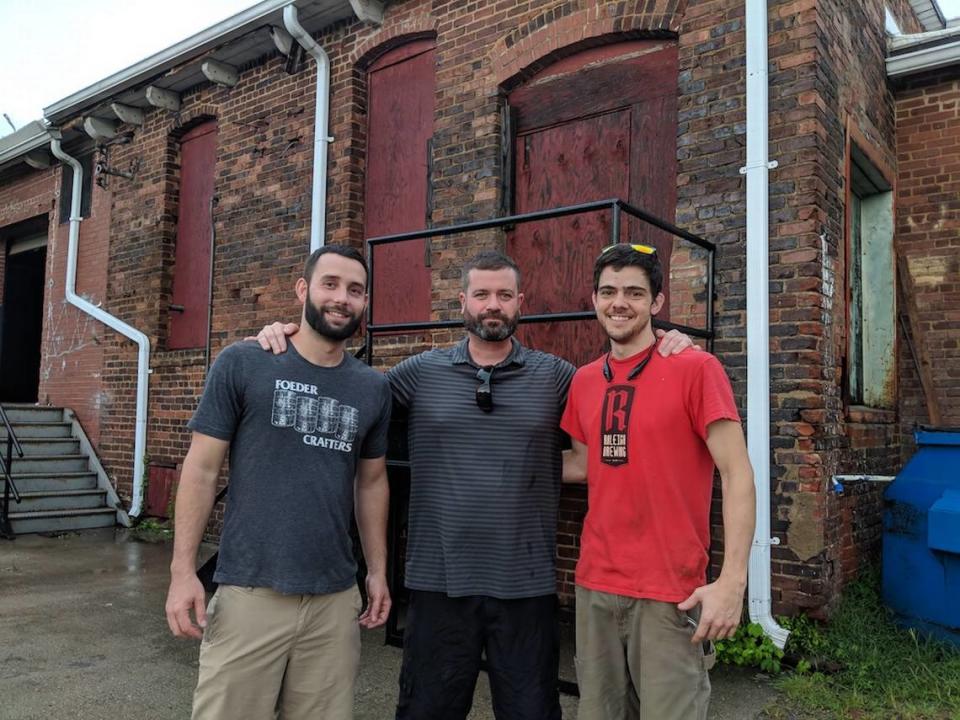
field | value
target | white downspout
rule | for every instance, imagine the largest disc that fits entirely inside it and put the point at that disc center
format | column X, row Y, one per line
column 321, row 124
column 758, row 317
column 143, row 343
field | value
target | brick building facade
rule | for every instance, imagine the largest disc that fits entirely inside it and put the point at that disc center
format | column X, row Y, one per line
column 832, row 110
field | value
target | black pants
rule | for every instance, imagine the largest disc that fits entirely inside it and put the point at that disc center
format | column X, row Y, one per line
column 443, row 642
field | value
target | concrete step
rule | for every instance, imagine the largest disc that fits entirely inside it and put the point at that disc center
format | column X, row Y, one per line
column 61, row 520
column 32, row 413
column 59, row 482
column 27, row 430
column 60, row 500
column 34, row 447
column 51, row 464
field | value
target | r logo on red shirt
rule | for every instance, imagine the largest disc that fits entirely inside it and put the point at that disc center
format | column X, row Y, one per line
column 617, row 404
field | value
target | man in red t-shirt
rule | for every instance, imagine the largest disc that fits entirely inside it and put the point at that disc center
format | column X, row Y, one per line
column 647, row 432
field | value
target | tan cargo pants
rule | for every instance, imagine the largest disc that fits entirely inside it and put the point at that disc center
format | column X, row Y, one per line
column 635, row 660
column 291, row 657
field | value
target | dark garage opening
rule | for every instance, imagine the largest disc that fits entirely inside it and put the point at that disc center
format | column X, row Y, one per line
column 21, row 315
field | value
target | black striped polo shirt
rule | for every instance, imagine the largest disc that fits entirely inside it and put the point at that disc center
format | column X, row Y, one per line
column 484, row 485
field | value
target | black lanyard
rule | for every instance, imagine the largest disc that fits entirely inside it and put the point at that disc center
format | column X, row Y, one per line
column 635, row 372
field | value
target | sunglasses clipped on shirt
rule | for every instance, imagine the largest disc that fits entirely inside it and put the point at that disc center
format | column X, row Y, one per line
column 484, row 394
column 645, row 249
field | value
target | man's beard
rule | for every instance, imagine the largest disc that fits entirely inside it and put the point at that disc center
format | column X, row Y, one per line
column 315, row 319
column 474, row 324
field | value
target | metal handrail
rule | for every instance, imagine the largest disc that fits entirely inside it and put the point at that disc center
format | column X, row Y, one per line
column 9, row 487
column 615, row 205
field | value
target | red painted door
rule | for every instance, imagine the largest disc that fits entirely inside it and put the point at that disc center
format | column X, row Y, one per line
column 400, row 125
column 574, row 162
column 191, row 277
column 599, row 125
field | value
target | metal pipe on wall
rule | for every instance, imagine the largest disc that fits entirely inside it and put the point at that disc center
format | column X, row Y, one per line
column 143, row 342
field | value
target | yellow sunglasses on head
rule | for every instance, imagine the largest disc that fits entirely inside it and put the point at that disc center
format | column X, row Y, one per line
column 645, row 249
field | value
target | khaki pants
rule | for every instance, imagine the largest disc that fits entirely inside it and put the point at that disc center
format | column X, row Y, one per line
column 635, row 660
column 265, row 655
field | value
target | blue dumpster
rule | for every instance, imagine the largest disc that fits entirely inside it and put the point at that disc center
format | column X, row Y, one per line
column 921, row 537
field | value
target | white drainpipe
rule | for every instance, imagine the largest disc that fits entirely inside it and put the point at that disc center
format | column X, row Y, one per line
column 758, row 317
column 321, row 123
column 143, row 343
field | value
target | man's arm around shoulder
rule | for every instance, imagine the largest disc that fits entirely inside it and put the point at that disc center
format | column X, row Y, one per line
column 372, row 500
column 195, row 496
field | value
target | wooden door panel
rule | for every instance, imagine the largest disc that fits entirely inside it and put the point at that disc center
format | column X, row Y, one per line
column 400, row 126
column 600, row 124
column 191, row 278
column 578, row 161
column 653, row 179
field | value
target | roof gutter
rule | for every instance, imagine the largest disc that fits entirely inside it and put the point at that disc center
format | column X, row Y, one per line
column 757, row 172
column 321, row 126
column 929, row 58
column 143, row 343
column 34, row 135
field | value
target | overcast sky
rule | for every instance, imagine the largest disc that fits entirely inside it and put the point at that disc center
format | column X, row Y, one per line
column 50, row 49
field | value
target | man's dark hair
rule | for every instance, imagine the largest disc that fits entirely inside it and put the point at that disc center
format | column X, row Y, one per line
column 488, row 260
column 620, row 256
column 341, row 250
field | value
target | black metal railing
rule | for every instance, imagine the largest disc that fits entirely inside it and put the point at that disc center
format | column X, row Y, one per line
column 6, row 467
column 397, row 462
column 617, row 208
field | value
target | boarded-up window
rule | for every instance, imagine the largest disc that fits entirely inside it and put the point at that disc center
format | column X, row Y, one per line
column 871, row 328
column 401, row 88
column 598, row 125
column 191, row 278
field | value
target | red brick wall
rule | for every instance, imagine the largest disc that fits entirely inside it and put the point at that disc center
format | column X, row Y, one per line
column 24, row 193
column 928, row 241
column 72, row 361
column 71, row 356
column 262, row 217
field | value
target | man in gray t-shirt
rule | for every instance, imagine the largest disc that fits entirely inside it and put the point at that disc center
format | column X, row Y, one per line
column 304, row 431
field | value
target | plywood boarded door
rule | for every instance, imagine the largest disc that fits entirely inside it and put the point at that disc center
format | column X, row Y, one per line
column 191, row 278
column 400, row 125
column 598, row 125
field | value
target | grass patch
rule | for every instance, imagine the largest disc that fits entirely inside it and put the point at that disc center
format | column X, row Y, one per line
column 152, row 530
column 882, row 672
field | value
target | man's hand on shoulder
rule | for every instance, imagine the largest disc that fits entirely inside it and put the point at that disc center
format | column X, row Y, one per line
column 273, row 337
column 673, row 342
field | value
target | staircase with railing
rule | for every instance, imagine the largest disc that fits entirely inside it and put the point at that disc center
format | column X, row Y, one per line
column 6, row 468
column 52, row 474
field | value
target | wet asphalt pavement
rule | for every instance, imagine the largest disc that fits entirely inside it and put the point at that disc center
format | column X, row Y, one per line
column 83, row 637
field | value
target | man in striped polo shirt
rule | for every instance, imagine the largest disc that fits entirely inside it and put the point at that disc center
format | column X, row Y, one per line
column 485, row 449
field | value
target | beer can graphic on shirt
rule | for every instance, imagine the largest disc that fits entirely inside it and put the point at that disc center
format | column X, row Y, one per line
column 308, row 409
column 284, row 408
column 349, row 421
column 329, row 418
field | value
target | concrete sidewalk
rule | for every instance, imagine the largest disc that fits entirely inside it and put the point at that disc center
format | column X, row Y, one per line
column 83, row 636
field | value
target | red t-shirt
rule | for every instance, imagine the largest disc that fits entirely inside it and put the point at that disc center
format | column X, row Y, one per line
column 650, row 474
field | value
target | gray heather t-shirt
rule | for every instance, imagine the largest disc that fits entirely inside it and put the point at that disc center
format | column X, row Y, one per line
column 296, row 431
column 485, row 486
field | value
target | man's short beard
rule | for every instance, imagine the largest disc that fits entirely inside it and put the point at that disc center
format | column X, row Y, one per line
column 474, row 324
column 315, row 319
